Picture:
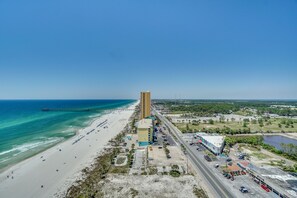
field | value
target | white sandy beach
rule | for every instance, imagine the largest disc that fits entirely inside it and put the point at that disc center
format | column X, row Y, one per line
column 58, row 167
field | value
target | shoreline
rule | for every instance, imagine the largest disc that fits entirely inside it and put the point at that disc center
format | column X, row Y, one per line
column 54, row 169
column 86, row 124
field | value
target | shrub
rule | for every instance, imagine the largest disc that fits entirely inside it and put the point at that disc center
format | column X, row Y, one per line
column 174, row 173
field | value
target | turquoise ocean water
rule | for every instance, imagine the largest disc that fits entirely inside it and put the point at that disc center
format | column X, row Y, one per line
column 26, row 130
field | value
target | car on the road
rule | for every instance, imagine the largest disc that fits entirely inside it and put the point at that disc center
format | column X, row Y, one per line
column 217, row 166
column 207, row 158
column 228, row 160
column 243, row 189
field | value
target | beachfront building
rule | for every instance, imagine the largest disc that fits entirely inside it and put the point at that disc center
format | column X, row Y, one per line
column 215, row 143
column 145, row 104
column 145, row 132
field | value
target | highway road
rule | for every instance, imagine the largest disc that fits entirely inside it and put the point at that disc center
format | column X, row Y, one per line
column 214, row 183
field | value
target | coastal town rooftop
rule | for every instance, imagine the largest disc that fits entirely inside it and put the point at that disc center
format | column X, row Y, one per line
column 216, row 140
column 145, row 123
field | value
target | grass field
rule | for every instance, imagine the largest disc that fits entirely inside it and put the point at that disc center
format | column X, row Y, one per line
column 259, row 155
column 272, row 126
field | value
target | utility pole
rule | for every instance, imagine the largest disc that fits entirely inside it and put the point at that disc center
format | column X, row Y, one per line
column 187, row 162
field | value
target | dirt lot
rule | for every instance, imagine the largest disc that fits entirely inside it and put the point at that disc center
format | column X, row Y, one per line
column 259, row 157
column 148, row 186
column 157, row 157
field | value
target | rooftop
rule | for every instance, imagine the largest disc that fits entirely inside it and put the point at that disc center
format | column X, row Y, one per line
column 243, row 164
column 145, row 123
column 277, row 178
column 216, row 140
column 233, row 168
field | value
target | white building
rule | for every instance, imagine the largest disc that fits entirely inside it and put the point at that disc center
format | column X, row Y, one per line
column 215, row 143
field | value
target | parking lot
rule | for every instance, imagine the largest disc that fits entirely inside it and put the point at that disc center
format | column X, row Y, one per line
column 254, row 190
column 164, row 138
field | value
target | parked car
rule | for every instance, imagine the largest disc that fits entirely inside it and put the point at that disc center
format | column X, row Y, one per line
column 228, row 160
column 265, row 188
column 257, row 181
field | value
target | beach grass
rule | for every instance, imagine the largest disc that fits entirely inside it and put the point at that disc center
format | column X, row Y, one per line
column 89, row 185
column 260, row 155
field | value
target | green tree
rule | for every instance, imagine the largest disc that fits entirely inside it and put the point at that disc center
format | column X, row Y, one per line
column 187, row 127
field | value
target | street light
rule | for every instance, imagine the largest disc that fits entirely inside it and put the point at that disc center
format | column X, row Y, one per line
column 187, row 162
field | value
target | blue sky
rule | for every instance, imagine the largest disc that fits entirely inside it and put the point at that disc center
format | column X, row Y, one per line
column 177, row 49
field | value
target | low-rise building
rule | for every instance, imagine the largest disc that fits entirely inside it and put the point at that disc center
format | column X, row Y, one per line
column 215, row 143
column 145, row 130
column 272, row 178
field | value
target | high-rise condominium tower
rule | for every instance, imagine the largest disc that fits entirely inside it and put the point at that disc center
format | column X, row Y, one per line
column 145, row 104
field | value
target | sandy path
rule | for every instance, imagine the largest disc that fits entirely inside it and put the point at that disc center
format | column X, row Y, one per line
column 64, row 162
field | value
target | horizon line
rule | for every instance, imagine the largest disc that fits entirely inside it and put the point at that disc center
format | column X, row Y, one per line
column 268, row 99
